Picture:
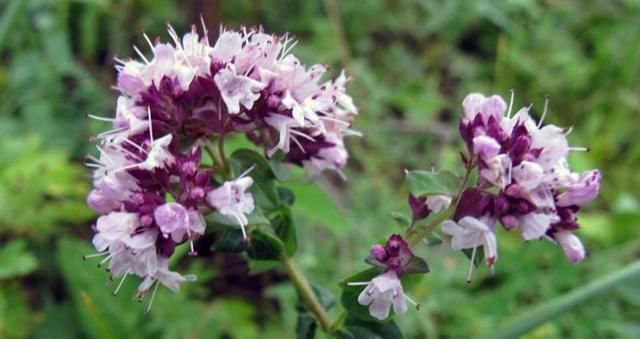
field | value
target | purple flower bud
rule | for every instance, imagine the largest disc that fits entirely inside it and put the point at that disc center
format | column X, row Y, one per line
column 509, row 221
column 378, row 252
column 419, row 207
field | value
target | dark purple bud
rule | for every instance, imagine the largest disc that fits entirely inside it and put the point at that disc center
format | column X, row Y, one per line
column 514, row 191
column 418, row 207
column 473, row 203
column 520, row 148
column 523, row 207
column 466, row 132
column 501, row 205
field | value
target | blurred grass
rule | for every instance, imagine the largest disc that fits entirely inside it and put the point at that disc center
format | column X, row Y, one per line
column 413, row 62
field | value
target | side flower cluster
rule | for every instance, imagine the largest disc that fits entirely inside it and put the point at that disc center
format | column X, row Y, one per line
column 150, row 187
column 395, row 259
column 527, row 165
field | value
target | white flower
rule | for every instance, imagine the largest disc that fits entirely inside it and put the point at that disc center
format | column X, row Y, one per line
column 228, row 45
column 571, row 244
column 485, row 146
column 121, row 227
column 159, row 154
column 498, row 170
column 237, row 89
column 535, row 224
column 476, row 103
column 232, row 201
column 381, row 293
column 528, row 174
column 437, row 203
column 471, row 232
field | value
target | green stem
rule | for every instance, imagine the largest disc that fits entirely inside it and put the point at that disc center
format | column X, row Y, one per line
column 340, row 321
column 537, row 315
column 306, row 292
column 421, row 232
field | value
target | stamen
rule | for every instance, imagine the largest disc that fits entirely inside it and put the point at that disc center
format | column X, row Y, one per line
column 336, row 120
column 138, row 147
column 150, row 124
column 358, row 283
column 192, row 252
column 295, row 141
column 579, row 149
column 153, row 296
column 99, row 118
column 146, row 37
column 472, row 264
column 245, row 173
column 109, row 132
column 301, row 134
column 106, row 155
column 513, row 93
column 89, row 256
column 121, row 282
column 544, row 111
column 205, row 32
column 135, row 48
column 411, row 301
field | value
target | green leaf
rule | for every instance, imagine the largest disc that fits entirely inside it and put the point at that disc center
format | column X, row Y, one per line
column 281, row 170
column 256, row 217
column 417, row 265
column 15, row 260
column 424, row 183
column 264, row 246
column 263, row 189
column 402, row 219
column 468, row 252
column 306, row 326
column 285, row 228
column 231, row 241
column 286, row 196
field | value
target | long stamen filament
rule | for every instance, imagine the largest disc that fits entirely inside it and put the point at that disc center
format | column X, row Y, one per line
column 472, row 264
column 153, row 296
column 121, row 282
column 544, row 111
column 513, row 92
column 88, row 256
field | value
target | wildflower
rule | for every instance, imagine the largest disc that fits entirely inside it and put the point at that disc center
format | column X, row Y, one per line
column 385, row 290
column 382, row 292
column 232, row 201
column 149, row 184
column 470, row 232
column 527, row 162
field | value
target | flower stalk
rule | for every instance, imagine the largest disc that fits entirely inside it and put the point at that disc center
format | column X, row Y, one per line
column 306, row 292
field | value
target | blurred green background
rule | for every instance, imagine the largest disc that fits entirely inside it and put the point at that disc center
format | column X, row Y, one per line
column 413, row 62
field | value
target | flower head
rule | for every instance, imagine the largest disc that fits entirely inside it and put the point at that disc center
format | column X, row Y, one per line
column 527, row 162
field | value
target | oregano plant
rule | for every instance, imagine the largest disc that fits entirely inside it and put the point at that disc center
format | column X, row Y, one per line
column 164, row 176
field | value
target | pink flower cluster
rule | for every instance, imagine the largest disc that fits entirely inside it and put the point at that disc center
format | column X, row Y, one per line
column 527, row 163
column 149, row 185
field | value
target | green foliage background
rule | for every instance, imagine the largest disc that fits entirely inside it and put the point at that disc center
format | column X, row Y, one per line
column 413, row 62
